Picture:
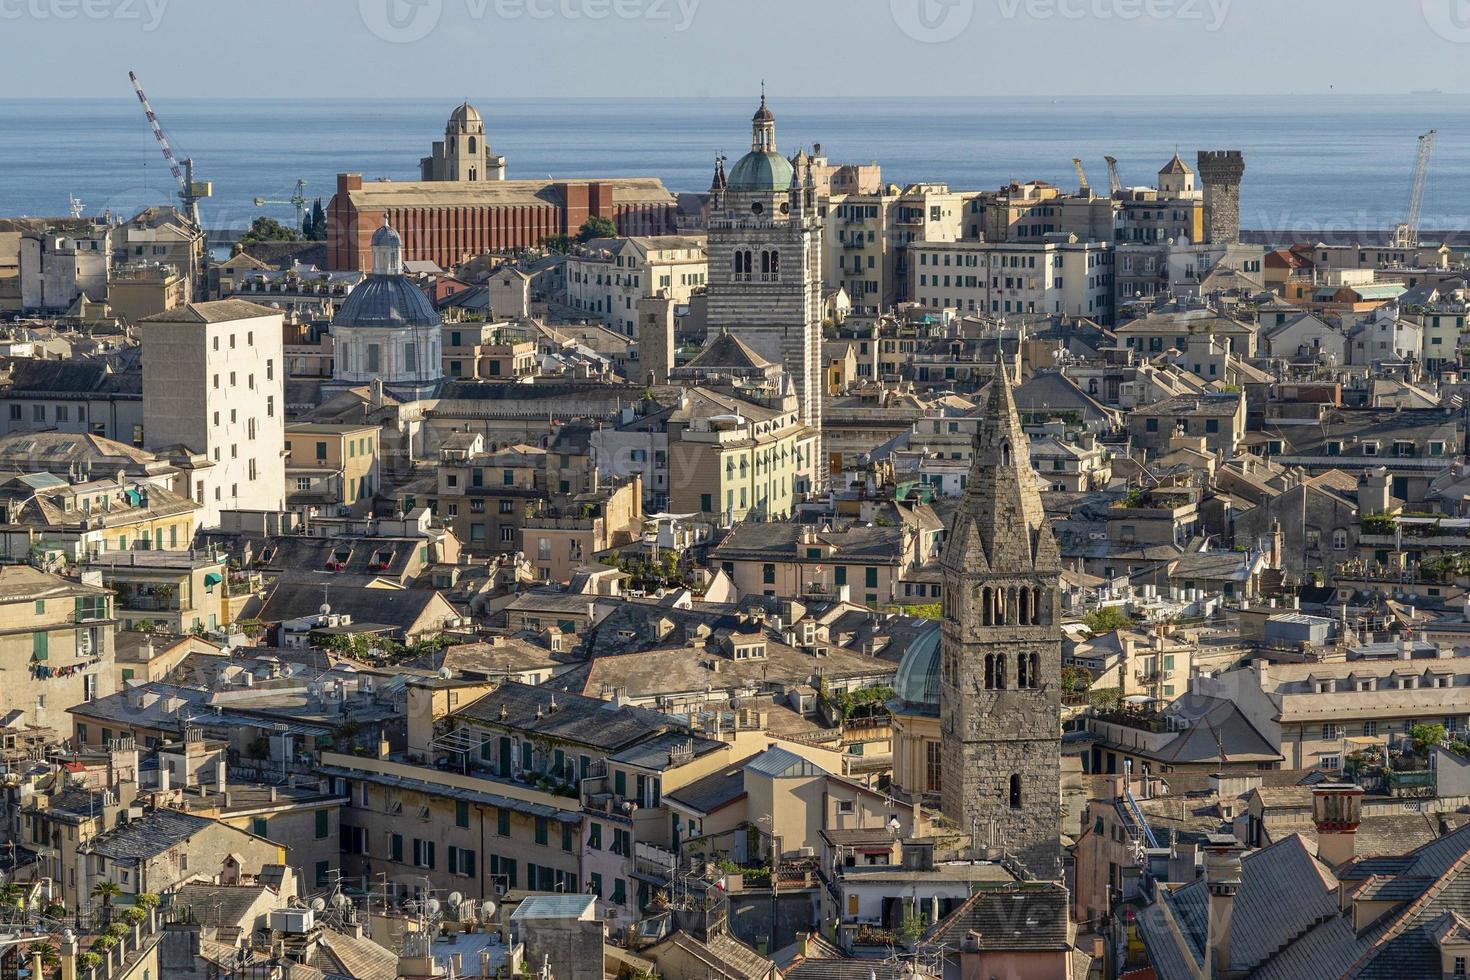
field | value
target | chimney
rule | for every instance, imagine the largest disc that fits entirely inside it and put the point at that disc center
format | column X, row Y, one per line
column 1222, row 880
column 1336, row 808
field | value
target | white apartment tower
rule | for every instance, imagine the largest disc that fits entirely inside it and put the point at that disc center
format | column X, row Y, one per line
column 765, row 262
column 213, row 387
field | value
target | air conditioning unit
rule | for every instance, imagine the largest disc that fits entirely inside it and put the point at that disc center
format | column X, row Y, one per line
column 292, row 921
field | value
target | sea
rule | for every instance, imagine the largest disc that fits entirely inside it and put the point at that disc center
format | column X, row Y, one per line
column 1313, row 163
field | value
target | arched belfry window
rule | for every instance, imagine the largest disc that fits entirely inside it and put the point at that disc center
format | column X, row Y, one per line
column 472, row 144
column 1005, row 452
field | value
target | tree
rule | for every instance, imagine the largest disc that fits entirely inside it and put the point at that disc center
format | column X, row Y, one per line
column 314, row 227
column 597, row 227
column 557, row 244
column 1106, row 619
column 1426, row 736
column 106, row 891
column 264, row 229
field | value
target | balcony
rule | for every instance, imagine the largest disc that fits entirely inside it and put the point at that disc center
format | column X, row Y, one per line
column 652, row 860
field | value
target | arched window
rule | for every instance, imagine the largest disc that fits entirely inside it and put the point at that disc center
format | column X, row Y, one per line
column 1015, row 791
column 989, row 671
column 986, row 612
column 1023, row 612
column 1036, row 607
column 1000, row 672
column 1005, row 452
column 775, row 264
column 1035, row 664
column 1022, row 680
column 765, row 262
column 472, row 144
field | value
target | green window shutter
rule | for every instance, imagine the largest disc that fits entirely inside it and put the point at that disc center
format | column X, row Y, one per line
column 323, row 824
column 259, row 827
column 395, row 848
column 871, row 577
column 40, row 645
column 502, row 822
column 461, row 813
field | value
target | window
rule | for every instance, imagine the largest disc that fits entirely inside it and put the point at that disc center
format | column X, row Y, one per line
column 423, row 853
column 395, row 848
column 1331, row 731
column 461, row 813
column 502, row 822
column 541, row 830
column 461, row 861
column 933, row 754
column 323, row 824
column 1015, row 791
column 594, row 836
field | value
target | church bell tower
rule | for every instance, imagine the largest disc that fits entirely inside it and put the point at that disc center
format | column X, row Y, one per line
column 1000, row 666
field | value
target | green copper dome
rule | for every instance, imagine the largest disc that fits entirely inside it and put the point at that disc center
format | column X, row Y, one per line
column 916, row 684
column 761, row 170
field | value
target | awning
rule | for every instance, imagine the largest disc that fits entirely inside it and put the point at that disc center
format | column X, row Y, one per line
column 1366, row 740
column 211, row 579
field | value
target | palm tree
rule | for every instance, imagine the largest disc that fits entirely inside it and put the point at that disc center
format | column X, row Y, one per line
column 107, row 891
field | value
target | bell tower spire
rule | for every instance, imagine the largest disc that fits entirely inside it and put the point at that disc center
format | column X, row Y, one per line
column 763, row 127
column 1000, row 667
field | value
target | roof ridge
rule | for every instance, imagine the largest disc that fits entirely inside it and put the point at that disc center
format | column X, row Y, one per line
column 1401, row 923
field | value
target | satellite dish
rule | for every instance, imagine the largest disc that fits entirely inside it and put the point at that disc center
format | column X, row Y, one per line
column 455, row 898
column 318, row 904
column 341, row 900
column 734, row 704
column 432, row 906
column 445, row 674
column 487, row 910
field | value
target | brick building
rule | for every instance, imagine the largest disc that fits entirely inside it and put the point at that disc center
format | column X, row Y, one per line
column 446, row 222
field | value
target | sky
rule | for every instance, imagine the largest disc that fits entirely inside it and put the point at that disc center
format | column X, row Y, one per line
column 650, row 48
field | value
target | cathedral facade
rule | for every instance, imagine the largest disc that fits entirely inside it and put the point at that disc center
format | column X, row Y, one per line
column 1000, row 652
column 765, row 262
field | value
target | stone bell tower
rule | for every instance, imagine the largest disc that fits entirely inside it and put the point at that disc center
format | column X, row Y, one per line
column 1000, row 666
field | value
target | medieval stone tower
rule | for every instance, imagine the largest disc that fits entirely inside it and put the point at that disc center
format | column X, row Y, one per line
column 1220, row 172
column 1000, row 666
column 765, row 261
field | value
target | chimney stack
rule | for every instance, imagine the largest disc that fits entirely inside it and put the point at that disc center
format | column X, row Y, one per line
column 1222, row 880
column 1336, row 810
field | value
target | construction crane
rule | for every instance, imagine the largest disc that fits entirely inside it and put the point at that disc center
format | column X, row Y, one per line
column 1082, row 186
column 297, row 201
column 1115, row 185
column 190, row 190
column 1406, row 235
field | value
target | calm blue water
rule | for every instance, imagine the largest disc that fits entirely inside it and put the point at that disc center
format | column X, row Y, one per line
column 1320, row 162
